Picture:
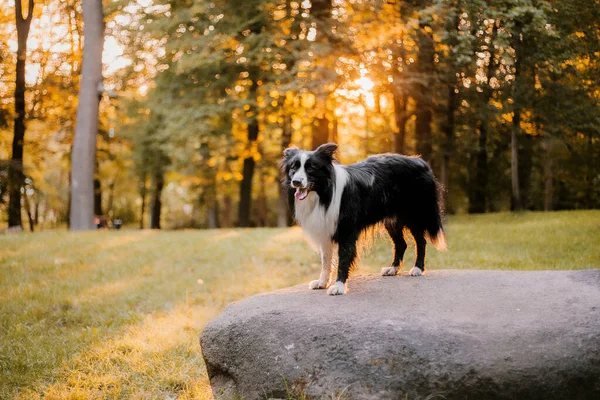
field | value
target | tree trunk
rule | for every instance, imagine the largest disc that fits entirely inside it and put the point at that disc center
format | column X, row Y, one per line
column 591, row 171
column 262, row 209
column 478, row 203
column 36, row 211
column 424, row 93
column 320, row 132
column 401, row 119
column 110, row 201
column 212, row 216
column 30, row 216
column 453, row 28
column 226, row 221
column 548, row 175
column 525, row 169
column 245, row 204
column 478, row 200
column 84, row 147
column 212, row 207
column 143, row 195
column 156, row 204
column 516, row 125
column 97, row 196
column 448, row 148
column 333, row 136
column 284, row 215
column 16, row 176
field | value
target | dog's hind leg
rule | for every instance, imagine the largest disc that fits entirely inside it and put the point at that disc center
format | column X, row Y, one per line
column 421, row 243
column 347, row 256
column 395, row 229
column 326, row 258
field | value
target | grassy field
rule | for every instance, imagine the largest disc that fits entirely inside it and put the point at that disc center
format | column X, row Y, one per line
column 117, row 314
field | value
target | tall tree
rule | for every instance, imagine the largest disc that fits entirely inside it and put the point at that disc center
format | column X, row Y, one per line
column 516, row 124
column 426, row 67
column 478, row 200
column 245, row 203
column 86, row 129
column 16, row 175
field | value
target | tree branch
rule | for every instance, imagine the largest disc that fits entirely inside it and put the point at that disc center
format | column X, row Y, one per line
column 19, row 10
column 30, row 11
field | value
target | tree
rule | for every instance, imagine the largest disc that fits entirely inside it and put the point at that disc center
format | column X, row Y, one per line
column 84, row 147
column 16, row 175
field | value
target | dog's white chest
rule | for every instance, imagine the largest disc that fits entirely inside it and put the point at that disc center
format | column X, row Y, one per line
column 319, row 223
column 312, row 217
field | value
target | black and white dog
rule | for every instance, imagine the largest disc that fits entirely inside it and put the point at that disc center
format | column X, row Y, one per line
column 334, row 204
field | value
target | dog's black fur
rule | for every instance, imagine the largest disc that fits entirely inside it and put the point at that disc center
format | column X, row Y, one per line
column 396, row 190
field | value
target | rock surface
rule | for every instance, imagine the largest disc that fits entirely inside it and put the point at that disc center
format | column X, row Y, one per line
column 456, row 334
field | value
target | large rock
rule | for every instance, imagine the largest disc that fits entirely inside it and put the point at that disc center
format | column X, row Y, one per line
column 459, row 334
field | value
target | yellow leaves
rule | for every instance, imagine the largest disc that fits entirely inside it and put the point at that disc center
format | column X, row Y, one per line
column 580, row 34
column 307, row 100
column 251, row 152
column 527, row 124
column 273, row 118
column 495, row 103
column 507, row 117
column 229, row 176
column 212, row 162
column 279, row 14
column 274, row 93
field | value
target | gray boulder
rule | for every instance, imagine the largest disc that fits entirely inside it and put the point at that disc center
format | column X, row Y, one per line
column 456, row 334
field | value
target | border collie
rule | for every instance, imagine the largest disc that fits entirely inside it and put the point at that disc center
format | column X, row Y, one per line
column 334, row 204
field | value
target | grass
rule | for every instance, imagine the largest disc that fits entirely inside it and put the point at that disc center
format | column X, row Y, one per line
column 117, row 314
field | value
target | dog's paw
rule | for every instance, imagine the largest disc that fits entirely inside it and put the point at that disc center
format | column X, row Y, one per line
column 416, row 271
column 317, row 284
column 337, row 288
column 389, row 271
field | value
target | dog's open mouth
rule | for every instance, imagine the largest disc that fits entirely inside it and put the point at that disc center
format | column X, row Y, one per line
column 301, row 193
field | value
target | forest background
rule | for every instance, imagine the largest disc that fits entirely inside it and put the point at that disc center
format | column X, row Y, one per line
column 199, row 99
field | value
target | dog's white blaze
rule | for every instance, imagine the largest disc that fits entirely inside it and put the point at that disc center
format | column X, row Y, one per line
column 416, row 271
column 320, row 224
column 338, row 288
column 301, row 173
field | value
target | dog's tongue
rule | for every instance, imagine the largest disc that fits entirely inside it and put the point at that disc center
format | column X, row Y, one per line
column 301, row 194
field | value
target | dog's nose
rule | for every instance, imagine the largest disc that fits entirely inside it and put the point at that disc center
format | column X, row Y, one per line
column 296, row 183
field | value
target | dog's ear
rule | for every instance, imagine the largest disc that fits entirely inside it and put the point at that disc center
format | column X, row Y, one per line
column 327, row 150
column 290, row 152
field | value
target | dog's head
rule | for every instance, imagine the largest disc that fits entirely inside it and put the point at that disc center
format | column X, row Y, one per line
column 306, row 171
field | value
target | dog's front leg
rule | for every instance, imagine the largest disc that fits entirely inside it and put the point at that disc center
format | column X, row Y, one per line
column 326, row 256
column 347, row 255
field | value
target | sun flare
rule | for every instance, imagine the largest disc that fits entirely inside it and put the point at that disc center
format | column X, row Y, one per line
column 365, row 84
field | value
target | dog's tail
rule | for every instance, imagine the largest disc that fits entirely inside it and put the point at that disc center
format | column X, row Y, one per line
column 439, row 240
column 434, row 229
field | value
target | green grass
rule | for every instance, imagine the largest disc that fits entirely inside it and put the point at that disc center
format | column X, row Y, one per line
column 117, row 314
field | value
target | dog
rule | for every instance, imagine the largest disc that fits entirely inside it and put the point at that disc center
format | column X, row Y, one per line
column 334, row 204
